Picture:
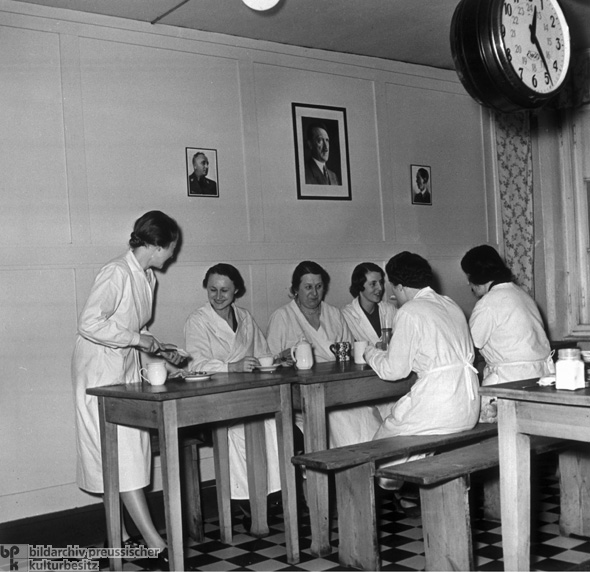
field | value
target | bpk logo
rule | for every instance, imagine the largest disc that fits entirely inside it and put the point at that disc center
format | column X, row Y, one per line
column 14, row 556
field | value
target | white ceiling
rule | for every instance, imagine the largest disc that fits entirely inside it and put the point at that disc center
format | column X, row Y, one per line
column 414, row 31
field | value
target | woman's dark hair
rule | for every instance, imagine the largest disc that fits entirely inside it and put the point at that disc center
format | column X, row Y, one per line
column 483, row 264
column 359, row 277
column 231, row 272
column 410, row 270
column 308, row 267
column 154, row 228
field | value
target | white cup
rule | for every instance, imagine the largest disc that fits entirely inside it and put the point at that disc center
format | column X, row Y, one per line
column 155, row 373
column 359, row 350
column 266, row 361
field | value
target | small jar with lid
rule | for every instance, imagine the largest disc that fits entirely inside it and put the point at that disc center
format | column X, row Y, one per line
column 569, row 369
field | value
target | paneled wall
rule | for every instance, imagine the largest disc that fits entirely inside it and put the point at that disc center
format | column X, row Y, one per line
column 96, row 114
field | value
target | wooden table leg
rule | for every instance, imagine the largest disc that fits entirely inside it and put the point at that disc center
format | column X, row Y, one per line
column 168, row 431
column 284, row 421
column 515, row 487
column 192, row 481
column 257, row 475
column 221, row 460
column 574, row 466
column 110, row 472
column 315, row 436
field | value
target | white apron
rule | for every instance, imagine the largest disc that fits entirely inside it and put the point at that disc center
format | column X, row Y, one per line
column 212, row 345
column 359, row 324
column 118, row 307
column 287, row 326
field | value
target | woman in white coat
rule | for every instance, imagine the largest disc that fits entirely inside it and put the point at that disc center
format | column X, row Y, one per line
column 368, row 313
column 111, row 335
column 430, row 337
column 308, row 317
column 221, row 337
column 506, row 325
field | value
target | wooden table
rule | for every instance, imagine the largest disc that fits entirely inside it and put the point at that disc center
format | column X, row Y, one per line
column 524, row 409
column 326, row 385
column 225, row 397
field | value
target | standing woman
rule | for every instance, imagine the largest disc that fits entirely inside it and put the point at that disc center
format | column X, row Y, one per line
column 368, row 312
column 308, row 317
column 220, row 336
column 111, row 335
column 505, row 324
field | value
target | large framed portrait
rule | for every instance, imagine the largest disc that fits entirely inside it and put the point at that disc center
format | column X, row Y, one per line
column 421, row 184
column 321, row 152
column 202, row 178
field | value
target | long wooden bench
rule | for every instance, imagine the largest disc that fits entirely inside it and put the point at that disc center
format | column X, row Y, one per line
column 356, row 464
column 444, row 482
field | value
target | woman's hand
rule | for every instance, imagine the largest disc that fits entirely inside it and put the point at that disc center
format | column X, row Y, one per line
column 148, row 344
column 246, row 364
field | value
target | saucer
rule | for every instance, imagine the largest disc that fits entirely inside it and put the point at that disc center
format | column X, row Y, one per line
column 268, row 368
column 197, row 376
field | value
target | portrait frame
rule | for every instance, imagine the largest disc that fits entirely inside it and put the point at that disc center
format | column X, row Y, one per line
column 209, row 190
column 421, row 196
column 333, row 120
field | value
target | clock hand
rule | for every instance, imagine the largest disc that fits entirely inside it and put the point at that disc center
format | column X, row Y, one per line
column 535, row 41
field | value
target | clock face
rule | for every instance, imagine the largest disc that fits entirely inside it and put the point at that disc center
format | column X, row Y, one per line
column 535, row 43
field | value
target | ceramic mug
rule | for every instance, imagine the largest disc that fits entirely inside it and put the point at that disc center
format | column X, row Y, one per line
column 154, row 373
column 266, row 361
column 341, row 350
column 358, row 352
column 302, row 355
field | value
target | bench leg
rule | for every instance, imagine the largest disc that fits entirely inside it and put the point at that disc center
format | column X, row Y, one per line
column 574, row 465
column 446, row 524
column 193, row 494
column 358, row 545
column 221, row 460
column 491, row 496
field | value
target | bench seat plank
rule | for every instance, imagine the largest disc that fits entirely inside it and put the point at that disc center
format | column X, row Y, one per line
column 462, row 461
column 391, row 447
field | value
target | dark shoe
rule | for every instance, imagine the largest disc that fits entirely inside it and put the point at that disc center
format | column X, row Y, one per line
column 242, row 509
column 410, row 509
column 411, row 492
column 163, row 561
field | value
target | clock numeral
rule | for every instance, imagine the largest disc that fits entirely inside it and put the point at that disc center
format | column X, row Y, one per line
column 558, row 42
column 515, row 20
column 508, row 9
column 555, row 65
column 534, row 81
column 509, row 54
column 547, row 78
column 553, row 21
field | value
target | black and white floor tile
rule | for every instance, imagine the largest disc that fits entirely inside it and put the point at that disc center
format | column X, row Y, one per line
column 401, row 542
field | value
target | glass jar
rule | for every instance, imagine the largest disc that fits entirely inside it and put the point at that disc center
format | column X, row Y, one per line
column 569, row 369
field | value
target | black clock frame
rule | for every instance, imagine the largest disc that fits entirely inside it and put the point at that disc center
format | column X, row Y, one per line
column 481, row 61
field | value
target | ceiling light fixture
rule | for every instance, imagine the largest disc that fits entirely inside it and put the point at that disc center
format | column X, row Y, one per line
column 261, row 5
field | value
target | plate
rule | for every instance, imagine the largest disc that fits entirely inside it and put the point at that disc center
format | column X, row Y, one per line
column 197, row 376
column 267, row 368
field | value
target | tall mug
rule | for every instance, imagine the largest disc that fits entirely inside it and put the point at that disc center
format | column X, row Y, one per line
column 359, row 350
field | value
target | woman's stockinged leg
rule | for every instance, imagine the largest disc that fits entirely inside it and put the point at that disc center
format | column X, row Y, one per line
column 136, row 504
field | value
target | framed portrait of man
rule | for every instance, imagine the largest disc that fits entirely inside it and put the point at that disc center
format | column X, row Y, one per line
column 201, row 172
column 321, row 152
column 421, row 184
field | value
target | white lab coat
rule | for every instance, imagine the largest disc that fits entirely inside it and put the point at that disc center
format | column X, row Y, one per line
column 287, row 326
column 362, row 330
column 507, row 328
column 212, row 345
column 359, row 324
column 430, row 337
column 118, row 307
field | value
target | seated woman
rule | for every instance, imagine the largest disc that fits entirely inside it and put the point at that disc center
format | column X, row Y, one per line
column 505, row 324
column 368, row 312
column 220, row 336
column 308, row 317
column 430, row 337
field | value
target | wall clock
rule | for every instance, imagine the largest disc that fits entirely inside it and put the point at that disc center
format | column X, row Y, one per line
column 511, row 54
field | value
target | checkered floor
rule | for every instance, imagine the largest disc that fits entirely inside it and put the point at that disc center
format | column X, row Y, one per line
column 401, row 541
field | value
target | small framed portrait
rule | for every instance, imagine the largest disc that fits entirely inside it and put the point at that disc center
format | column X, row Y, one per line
column 201, row 172
column 421, row 184
column 321, row 152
